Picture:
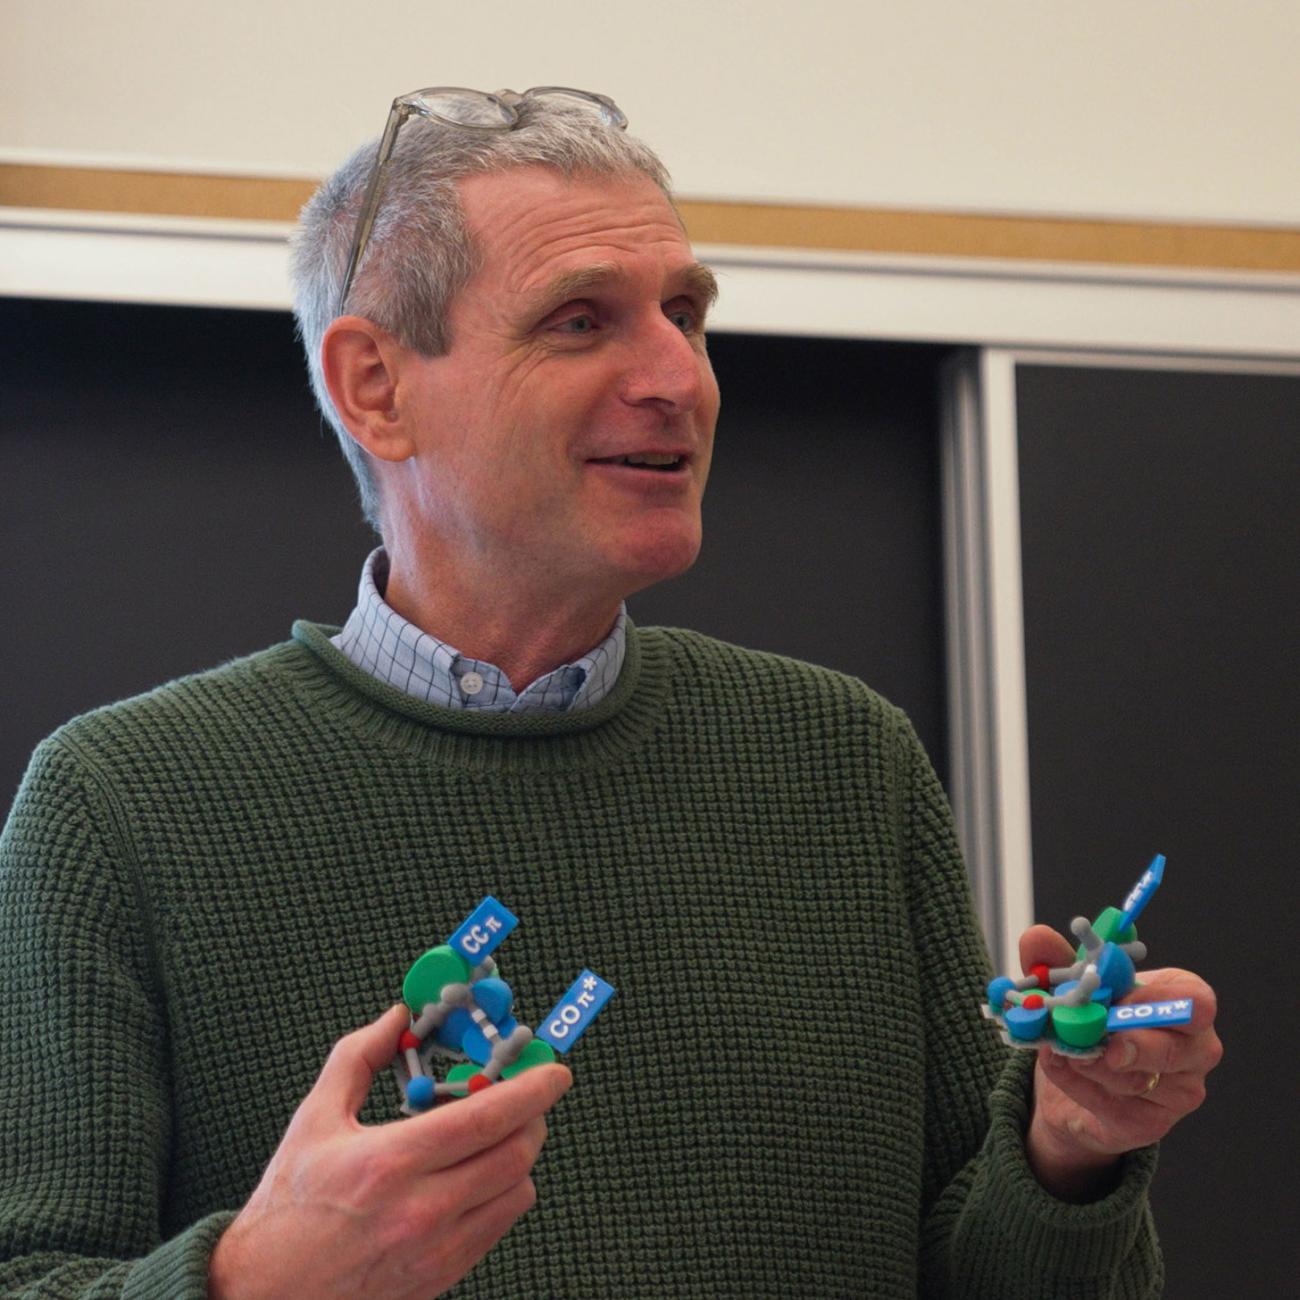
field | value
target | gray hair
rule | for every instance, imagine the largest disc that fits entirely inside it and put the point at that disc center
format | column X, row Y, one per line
column 420, row 253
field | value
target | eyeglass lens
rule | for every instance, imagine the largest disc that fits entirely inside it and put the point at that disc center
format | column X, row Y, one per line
column 474, row 108
column 463, row 107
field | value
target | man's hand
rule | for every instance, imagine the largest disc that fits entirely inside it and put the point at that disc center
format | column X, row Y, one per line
column 402, row 1209
column 1088, row 1113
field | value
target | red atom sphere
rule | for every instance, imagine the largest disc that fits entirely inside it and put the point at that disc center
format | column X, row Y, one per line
column 1033, row 1002
column 478, row 1082
column 408, row 1040
column 1040, row 973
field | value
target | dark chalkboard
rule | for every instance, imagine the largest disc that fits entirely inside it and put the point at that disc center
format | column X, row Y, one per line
column 1160, row 515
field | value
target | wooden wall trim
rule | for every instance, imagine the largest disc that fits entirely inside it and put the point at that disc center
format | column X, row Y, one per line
column 172, row 194
column 759, row 225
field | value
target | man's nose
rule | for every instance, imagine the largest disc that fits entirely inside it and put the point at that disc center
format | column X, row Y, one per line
column 667, row 367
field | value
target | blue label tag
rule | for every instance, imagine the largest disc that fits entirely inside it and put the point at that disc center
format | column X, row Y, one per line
column 485, row 927
column 1140, row 895
column 575, row 1011
column 1150, row 1015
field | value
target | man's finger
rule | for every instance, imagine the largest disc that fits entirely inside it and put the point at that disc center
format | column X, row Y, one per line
column 1144, row 1052
column 1041, row 945
column 457, row 1130
column 1168, row 984
column 351, row 1067
column 485, row 1176
column 479, row 1229
column 1092, row 1085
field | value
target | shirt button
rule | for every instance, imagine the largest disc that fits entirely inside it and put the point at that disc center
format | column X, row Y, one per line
column 471, row 683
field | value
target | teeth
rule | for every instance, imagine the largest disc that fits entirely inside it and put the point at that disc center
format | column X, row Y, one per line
column 648, row 458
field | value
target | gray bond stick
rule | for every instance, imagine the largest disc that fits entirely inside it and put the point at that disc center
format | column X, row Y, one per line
column 486, row 967
column 1059, row 974
column 1082, row 992
column 401, row 1074
column 506, row 1051
column 1082, row 930
column 457, row 995
column 432, row 1014
column 1135, row 951
column 489, row 1030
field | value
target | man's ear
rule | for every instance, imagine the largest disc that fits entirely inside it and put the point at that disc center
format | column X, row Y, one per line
column 362, row 364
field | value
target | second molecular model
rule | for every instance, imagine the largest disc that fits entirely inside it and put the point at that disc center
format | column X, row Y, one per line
column 1072, row 1009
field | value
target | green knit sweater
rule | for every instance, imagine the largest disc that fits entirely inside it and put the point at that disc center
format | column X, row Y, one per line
column 792, row 1094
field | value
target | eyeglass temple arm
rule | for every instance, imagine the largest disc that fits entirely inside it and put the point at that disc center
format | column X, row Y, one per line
column 370, row 204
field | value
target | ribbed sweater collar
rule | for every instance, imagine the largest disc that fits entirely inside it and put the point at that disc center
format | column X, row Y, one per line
column 602, row 734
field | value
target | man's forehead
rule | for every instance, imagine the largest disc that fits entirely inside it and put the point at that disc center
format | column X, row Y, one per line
column 538, row 231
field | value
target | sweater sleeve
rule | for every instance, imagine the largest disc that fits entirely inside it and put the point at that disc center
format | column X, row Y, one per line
column 84, row 1091
column 990, row 1231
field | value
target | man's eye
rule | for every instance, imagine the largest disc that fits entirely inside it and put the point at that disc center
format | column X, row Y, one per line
column 583, row 324
column 686, row 319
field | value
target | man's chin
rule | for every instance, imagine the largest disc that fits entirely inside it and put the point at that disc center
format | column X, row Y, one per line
column 648, row 566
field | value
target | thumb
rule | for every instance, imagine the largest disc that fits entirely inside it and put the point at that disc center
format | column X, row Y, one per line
column 352, row 1064
column 1041, row 945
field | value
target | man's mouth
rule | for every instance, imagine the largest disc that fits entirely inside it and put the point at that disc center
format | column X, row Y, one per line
column 663, row 462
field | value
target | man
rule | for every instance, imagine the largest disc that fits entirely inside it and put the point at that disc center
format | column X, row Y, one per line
column 202, row 889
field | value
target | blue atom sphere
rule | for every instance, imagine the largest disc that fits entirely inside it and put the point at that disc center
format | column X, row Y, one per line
column 419, row 1092
column 998, row 990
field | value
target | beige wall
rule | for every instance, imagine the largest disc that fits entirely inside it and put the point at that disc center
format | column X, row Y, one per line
column 1164, row 110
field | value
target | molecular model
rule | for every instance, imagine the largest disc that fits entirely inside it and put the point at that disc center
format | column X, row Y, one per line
column 1073, row 1008
column 460, row 1008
